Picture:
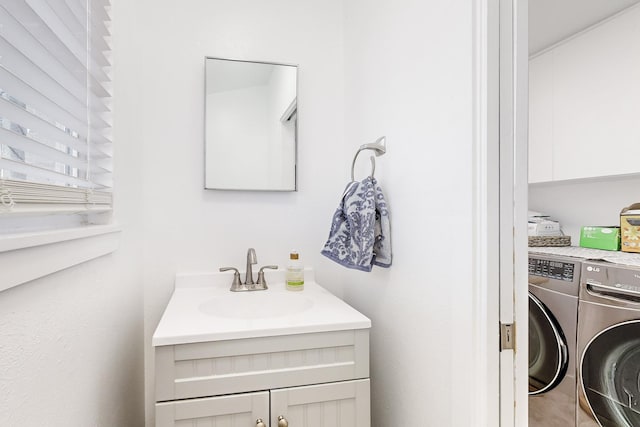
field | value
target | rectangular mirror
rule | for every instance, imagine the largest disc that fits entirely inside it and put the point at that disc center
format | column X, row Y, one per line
column 250, row 125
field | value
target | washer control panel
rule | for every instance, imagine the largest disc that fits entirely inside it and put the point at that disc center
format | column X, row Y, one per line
column 557, row 270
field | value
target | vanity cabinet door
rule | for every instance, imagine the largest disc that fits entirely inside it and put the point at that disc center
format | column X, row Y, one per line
column 342, row 404
column 240, row 410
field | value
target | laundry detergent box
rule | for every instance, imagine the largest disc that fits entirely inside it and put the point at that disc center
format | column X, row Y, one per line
column 630, row 228
column 600, row 237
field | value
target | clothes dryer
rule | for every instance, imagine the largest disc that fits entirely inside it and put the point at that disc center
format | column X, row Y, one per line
column 609, row 346
column 554, row 283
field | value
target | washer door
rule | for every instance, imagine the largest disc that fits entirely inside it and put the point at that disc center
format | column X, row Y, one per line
column 610, row 373
column 548, row 356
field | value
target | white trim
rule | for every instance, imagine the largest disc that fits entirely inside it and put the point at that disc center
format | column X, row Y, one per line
column 571, row 181
column 513, row 208
column 29, row 256
column 507, row 95
column 25, row 210
column 520, row 208
column 485, row 207
column 10, row 242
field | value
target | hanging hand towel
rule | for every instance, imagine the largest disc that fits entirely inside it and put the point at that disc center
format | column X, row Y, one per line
column 360, row 235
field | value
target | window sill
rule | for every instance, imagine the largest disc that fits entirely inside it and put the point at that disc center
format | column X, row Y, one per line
column 29, row 256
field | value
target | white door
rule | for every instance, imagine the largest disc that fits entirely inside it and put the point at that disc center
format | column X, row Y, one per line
column 501, row 184
column 239, row 410
column 513, row 194
column 343, row 404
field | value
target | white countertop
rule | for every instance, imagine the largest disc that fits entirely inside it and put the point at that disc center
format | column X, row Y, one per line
column 203, row 309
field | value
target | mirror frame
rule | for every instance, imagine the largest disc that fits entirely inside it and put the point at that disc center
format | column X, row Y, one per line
column 295, row 159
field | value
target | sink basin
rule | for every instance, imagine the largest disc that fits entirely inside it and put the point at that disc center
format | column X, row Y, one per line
column 256, row 305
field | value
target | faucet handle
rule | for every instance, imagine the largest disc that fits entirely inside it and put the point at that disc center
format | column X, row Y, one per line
column 262, row 283
column 236, row 286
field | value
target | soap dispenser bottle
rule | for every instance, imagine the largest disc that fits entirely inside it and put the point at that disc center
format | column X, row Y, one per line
column 295, row 273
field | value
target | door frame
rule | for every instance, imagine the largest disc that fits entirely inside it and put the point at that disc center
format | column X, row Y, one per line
column 514, row 183
column 500, row 118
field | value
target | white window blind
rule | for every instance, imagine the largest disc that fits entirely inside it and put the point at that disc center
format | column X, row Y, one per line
column 55, row 121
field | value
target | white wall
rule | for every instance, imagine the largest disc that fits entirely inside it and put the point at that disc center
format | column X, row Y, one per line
column 71, row 347
column 400, row 69
column 408, row 76
column 71, row 344
column 190, row 229
column 401, row 81
column 385, row 63
column 590, row 202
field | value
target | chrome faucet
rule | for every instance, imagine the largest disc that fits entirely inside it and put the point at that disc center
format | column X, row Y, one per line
column 249, row 284
column 251, row 259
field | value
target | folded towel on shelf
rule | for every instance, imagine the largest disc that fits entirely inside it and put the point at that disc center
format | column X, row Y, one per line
column 360, row 235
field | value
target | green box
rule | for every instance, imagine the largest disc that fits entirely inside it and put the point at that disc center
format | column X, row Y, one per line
column 600, row 237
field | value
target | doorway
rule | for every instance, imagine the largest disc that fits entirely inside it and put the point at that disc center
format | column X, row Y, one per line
column 582, row 60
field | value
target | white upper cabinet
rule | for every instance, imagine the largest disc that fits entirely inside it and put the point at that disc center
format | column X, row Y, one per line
column 540, row 118
column 584, row 109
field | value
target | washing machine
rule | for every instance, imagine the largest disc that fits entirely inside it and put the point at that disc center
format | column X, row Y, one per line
column 609, row 346
column 554, row 283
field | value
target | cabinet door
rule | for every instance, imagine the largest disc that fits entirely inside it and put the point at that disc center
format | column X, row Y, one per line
column 541, row 118
column 584, row 104
column 241, row 410
column 596, row 92
column 343, row 404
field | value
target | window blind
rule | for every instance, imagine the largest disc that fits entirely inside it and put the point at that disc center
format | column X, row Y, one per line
column 55, row 120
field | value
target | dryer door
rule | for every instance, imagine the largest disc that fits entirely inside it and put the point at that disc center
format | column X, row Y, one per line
column 548, row 357
column 610, row 373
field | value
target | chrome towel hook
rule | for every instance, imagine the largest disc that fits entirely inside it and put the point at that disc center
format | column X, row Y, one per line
column 379, row 147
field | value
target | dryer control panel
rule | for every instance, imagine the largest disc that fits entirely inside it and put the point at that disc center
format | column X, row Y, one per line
column 552, row 269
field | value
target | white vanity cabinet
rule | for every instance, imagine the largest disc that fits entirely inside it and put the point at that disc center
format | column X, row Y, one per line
column 318, row 379
column 260, row 356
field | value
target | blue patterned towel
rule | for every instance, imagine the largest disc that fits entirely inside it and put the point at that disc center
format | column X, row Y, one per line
column 360, row 235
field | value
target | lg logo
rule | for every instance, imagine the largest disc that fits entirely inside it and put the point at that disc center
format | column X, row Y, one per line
column 595, row 269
